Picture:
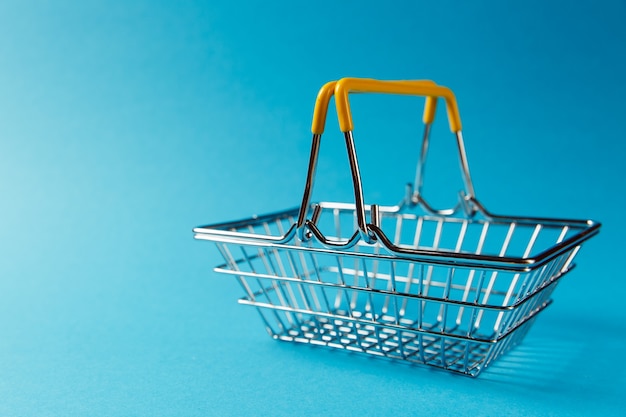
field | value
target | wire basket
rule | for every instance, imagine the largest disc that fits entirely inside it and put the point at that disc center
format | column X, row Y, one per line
column 452, row 288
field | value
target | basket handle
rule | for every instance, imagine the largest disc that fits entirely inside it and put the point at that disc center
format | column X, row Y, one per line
column 317, row 127
column 328, row 90
column 346, row 86
column 341, row 89
column 429, row 89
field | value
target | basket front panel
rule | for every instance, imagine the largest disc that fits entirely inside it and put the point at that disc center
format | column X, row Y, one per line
column 411, row 295
column 452, row 317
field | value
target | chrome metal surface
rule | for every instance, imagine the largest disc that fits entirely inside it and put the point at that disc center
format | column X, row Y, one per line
column 361, row 221
column 467, row 178
column 421, row 162
column 308, row 187
column 453, row 288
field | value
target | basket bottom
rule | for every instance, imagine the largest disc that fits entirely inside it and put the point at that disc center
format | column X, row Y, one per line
column 451, row 353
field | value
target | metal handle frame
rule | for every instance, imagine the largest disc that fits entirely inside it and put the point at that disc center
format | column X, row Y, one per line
column 341, row 89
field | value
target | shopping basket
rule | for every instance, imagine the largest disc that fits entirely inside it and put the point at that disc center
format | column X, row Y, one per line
column 452, row 288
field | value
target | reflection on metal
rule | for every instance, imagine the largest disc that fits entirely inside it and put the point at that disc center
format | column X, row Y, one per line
column 453, row 288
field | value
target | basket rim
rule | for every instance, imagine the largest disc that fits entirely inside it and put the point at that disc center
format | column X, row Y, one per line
column 223, row 232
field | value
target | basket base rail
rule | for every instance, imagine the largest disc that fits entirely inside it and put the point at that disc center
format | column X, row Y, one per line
column 464, row 355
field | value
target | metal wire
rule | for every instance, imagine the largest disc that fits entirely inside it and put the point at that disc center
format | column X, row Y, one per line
column 452, row 288
column 454, row 317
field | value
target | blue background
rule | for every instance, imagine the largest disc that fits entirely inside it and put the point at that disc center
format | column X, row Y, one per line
column 125, row 124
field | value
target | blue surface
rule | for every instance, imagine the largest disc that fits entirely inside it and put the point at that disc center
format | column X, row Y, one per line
column 125, row 124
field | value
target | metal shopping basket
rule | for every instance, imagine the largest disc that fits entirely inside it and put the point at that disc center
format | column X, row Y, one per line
column 452, row 288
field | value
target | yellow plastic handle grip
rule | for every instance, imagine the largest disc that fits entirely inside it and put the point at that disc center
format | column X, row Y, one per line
column 328, row 90
column 321, row 107
column 418, row 88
